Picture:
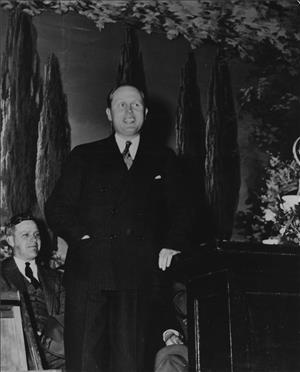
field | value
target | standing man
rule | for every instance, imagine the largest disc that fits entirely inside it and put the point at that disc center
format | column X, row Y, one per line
column 41, row 288
column 119, row 206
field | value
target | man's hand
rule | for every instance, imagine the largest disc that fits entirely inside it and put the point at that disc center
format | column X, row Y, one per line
column 165, row 258
column 172, row 337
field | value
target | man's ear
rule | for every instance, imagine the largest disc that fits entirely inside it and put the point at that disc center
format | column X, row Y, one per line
column 10, row 241
column 146, row 111
column 108, row 114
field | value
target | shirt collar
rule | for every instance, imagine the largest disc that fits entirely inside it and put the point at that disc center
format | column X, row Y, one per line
column 21, row 266
column 121, row 142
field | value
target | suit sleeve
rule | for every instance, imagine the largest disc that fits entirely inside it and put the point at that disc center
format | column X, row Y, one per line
column 62, row 207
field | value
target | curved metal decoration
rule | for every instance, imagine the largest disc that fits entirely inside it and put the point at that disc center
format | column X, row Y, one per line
column 296, row 150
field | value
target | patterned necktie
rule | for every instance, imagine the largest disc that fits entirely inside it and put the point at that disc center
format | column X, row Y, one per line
column 126, row 155
column 29, row 274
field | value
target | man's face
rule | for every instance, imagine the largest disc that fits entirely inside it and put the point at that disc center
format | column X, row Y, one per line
column 127, row 112
column 25, row 240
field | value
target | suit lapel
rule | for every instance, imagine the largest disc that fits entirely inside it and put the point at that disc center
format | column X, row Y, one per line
column 142, row 159
column 140, row 168
column 109, row 155
column 109, row 162
column 123, row 174
column 13, row 275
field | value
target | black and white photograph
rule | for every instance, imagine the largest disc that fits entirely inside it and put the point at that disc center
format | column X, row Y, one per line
column 150, row 185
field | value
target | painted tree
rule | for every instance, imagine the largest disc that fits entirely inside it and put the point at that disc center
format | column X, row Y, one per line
column 20, row 103
column 190, row 144
column 131, row 67
column 222, row 154
column 131, row 71
column 190, row 125
column 54, row 140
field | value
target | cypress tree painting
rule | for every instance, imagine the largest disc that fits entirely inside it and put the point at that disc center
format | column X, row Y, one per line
column 131, row 67
column 222, row 154
column 54, row 133
column 190, row 146
column 20, row 102
column 190, row 125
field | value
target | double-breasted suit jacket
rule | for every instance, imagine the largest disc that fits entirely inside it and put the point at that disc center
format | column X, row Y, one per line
column 129, row 214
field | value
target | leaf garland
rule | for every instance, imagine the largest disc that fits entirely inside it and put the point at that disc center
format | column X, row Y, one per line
column 238, row 24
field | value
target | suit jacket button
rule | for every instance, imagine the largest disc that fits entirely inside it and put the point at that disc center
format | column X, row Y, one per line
column 114, row 211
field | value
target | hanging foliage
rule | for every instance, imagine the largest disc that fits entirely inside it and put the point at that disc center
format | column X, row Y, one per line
column 240, row 25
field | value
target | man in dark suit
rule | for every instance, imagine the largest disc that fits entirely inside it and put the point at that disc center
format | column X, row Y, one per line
column 119, row 205
column 40, row 287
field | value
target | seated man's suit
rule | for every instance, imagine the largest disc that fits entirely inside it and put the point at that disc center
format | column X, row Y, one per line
column 45, row 306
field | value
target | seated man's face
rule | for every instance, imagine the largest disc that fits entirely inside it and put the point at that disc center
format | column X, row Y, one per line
column 25, row 240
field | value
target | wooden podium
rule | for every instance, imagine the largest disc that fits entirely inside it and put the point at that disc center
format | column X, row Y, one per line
column 243, row 308
column 17, row 337
column 13, row 354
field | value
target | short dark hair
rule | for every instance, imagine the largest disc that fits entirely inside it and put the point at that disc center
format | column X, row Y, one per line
column 112, row 91
column 16, row 219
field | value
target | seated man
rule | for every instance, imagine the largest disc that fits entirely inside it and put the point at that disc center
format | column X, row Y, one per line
column 41, row 289
column 174, row 356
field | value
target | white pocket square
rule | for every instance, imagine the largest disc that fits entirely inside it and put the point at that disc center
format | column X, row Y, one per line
column 158, row 177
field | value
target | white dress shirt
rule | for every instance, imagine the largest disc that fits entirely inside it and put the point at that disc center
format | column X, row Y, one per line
column 21, row 266
column 121, row 142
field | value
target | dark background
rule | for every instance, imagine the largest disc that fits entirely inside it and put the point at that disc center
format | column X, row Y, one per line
column 89, row 60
